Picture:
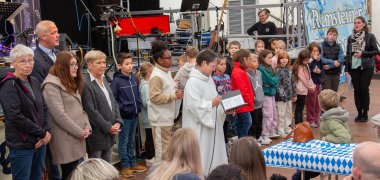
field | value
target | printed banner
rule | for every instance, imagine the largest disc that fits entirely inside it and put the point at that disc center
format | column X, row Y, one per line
column 323, row 14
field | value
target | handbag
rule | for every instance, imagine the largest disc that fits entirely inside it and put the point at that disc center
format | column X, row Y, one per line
column 302, row 133
column 377, row 60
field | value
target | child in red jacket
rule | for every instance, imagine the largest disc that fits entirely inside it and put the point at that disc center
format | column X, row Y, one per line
column 240, row 81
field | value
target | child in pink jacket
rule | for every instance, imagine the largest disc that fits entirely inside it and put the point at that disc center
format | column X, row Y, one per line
column 304, row 83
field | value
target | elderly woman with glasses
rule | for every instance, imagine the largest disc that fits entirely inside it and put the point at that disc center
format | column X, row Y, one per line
column 70, row 127
column 26, row 116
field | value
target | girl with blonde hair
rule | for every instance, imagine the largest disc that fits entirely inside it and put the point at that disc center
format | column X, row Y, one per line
column 182, row 158
column 95, row 169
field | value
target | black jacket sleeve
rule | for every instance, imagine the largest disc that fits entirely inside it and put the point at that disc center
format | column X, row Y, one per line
column 251, row 29
column 12, row 107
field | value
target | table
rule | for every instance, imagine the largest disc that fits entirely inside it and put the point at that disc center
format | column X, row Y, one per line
column 315, row 155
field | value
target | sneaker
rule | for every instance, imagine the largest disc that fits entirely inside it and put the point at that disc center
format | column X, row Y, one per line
column 149, row 162
column 137, row 168
column 265, row 140
column 313, row 125
column 274, row 135
column 268, row 139
column 126, row 172
column 283, row 135
column 260, row 139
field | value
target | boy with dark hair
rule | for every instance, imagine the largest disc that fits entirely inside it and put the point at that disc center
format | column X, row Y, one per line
column 125, row 88
column 232, row 47
column 332, row 58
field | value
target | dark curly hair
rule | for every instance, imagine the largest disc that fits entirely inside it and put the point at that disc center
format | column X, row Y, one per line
column 158, row 49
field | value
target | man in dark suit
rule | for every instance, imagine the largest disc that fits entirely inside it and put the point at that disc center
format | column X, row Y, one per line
column 45, row 54
column 44, row 58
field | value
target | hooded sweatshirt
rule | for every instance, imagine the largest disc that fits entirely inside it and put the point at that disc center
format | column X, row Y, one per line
column 257, row 86
column 125, row 89
column 334, row 128
column 183, row 75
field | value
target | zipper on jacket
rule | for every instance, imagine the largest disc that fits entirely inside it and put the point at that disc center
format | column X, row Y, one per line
column 133, row 94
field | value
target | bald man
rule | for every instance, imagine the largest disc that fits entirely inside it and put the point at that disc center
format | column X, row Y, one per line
column 366, row 162
column 45, row 54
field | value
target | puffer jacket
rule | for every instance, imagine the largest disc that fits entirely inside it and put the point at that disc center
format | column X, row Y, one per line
column 334, row 128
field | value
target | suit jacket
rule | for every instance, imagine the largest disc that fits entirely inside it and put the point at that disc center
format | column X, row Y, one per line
column 100, row 115
column 42, row 64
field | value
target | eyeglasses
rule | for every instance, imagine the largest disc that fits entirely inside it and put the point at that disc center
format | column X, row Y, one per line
column 24, row 62
column 74, row 65
column 167, row 57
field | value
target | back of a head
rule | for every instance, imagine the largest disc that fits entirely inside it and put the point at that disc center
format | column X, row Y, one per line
column 225, row 172
column 246, row 154
column 94, row 169
column 365, row 156
column 240, row 55
column 192, row 52
column 182, row 155
column 328, row 99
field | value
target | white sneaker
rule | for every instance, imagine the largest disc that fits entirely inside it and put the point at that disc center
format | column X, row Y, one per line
column 283, row 135
column 149, row 162
column 268, row 139
column 274, row 135
column 265, row 140
column 313, row 125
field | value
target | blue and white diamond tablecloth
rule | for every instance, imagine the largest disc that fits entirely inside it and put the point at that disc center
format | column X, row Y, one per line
column 315, row 155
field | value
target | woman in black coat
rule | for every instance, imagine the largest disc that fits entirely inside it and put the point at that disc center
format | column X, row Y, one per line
column 361, row 47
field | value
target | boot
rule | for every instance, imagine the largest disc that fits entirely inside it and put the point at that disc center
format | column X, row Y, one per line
column 364, row 117
column 359, row 117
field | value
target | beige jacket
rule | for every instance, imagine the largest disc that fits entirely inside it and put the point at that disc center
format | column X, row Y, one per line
column 161, row 104
column 67, row 123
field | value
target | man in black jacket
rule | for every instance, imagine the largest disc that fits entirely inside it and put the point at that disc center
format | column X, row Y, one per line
column 263, row 27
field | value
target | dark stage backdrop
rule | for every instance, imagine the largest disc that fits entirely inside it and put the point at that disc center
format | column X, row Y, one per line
column 67, row 14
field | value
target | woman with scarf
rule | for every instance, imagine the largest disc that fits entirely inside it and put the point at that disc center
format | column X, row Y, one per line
column 361, row 47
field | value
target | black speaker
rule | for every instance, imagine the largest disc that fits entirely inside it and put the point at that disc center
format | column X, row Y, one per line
column 65, row 43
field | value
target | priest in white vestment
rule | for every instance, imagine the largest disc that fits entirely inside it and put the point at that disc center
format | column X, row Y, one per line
column 203, row 113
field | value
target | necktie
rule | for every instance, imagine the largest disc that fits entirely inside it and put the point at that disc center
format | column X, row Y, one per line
column 53, row 56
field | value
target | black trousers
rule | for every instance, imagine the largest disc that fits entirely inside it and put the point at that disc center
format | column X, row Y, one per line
column 68, row 168
column 300, row 104
column 330, row 81
column 361, row 79
column 257, row 123
column 149, row 144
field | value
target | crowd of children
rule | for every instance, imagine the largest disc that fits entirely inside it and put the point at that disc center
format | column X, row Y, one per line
column 267, row 79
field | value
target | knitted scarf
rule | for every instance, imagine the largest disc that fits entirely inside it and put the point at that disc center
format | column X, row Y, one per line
column 358, row 43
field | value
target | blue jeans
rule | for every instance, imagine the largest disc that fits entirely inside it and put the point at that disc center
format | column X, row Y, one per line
column 27, row 164
column 243, row 123
column 127, row 138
